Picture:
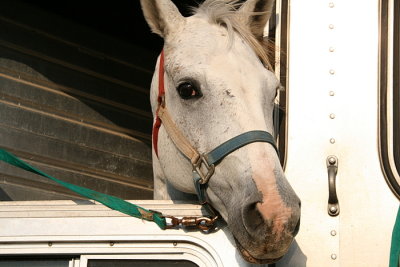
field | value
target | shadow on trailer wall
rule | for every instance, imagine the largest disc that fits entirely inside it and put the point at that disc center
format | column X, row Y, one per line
column 75, row 104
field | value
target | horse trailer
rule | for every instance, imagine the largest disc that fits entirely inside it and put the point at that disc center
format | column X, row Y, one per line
column 74, row 102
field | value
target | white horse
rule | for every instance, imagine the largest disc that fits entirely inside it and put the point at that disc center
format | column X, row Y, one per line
column 218, row 86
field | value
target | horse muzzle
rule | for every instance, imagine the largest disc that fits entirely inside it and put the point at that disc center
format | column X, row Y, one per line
column 249, row 258
column 264, row 227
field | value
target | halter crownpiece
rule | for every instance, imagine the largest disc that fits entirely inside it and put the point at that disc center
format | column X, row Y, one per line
column 200, row 162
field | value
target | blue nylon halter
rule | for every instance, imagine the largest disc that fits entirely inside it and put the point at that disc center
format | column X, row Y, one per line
column 221, row 151
column 212, row 158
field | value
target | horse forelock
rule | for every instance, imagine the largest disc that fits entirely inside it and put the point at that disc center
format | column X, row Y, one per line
column 229, row 15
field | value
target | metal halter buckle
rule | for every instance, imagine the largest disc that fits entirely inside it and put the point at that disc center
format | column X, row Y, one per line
column 202, row 223
column 202, row 163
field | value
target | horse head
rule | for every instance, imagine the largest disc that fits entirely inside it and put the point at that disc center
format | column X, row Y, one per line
column 218, row 86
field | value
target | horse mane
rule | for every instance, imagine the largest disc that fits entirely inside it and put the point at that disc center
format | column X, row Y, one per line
column 227, row 13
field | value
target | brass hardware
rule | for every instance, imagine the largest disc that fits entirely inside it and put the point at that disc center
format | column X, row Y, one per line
column 202, row 223
column 197, row 167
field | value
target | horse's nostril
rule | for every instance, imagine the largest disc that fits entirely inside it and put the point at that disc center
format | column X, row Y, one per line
column 252, row 217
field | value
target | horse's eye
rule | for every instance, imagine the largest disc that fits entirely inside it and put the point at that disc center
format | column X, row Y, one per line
column 188, row 90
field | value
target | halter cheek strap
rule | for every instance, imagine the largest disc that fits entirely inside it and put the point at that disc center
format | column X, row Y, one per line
column 164, row 118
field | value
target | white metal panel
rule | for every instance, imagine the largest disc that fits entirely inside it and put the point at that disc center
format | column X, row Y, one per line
column 86, row 228
column 332, row 110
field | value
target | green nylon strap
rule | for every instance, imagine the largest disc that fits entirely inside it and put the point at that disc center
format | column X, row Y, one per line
column 107, row 200
column 395, row 248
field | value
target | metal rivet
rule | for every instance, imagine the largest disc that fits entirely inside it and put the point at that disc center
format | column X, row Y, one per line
column 332, row 140
column 333, row 233
column 50, row 244
column 331, row 5
column 332, row 161
column 332, row 72
column 331, row 26
column 332, row 209
column 175, row 244
column 112, row 244
column 331, row 49
column 332, row 116
column 333, row 256
column 331, row 93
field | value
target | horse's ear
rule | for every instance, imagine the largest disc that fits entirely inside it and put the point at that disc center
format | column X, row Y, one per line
column 161, row 15
column 256, row 14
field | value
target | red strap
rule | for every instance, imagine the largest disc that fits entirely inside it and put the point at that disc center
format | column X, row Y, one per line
column 160, row 99
column 156, row 128
column 161, row 90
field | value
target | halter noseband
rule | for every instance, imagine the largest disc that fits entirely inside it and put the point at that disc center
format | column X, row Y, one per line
column 200, row 162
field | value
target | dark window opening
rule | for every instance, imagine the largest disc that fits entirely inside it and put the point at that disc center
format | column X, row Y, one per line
column 36, row 261
column 141, row 263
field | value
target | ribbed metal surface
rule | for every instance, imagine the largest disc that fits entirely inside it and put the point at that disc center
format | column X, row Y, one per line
column 73, row 103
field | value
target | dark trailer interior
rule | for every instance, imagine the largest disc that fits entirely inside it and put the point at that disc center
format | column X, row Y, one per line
column 74, row 96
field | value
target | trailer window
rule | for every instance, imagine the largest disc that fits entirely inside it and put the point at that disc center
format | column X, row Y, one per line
column 390, row 93
column 73, row 101
column 26, row 262
column 144, row 263
column 100, row 262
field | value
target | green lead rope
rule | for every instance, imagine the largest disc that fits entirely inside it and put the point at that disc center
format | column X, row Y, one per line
column 107, row 200
column 395, row 247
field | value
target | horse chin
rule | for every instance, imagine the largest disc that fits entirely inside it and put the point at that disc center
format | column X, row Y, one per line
column 249, row 258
